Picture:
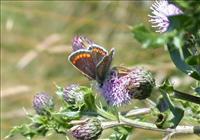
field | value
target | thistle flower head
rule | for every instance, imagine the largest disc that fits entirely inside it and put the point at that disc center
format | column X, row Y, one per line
column 73, row 94
column 42, row 102
column 119, row 88
column 90, row 130
column 80, row 42
column 160, row 12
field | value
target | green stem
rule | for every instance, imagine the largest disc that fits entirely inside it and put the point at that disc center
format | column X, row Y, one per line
column 105, row 114
column 187, row 97
column 137, row 112
column 90, row 113
column 151, row 126
column 139, row 124
column 116, row 113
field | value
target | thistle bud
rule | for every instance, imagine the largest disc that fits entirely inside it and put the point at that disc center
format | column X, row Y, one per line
column 141, row 83
column 73, row 94
column 89, row 130
column 42, row 102
column 80, row 42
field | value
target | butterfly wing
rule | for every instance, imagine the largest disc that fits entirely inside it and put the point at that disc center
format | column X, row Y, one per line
column 103, row 66
column 83, row 61
column 98, row 53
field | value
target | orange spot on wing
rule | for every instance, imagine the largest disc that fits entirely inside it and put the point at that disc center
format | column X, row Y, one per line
column 80, row 56
column 88, row 55
column 74, row 62
column 84, row 55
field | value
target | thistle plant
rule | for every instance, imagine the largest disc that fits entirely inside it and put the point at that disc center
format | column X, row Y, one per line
column 84, row 115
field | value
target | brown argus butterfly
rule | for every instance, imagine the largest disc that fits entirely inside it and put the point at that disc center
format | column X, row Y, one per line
column 91, row 59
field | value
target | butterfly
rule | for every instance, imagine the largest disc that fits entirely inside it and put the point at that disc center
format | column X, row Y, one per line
column 92, row 61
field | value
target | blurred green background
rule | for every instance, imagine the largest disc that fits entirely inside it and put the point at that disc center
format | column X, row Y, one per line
column 36, row 41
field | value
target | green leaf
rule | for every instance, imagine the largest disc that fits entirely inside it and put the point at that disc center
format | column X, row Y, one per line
column 90, row 101
column 182, row 3
column 178, row 115
column 169, row 119
column 38, row 119
column 179, row 22
column 178, row 60
column 167, row 86
column 186, row 97
column 71, row 115
column 25, row 130
column 162, row 105
column 120, row 133
column 197, row 90
column 147, row 37
column 172, row 113
column 193, row 60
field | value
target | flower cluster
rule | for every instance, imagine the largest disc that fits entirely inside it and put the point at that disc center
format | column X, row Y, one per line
column 160, row 12
column 116, row 89
column 120, row 88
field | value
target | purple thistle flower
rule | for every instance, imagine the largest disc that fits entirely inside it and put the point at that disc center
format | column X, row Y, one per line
column 81, row 42
column 42, row 102
column 114, row 90
column 120, row 88
column 160, row 12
